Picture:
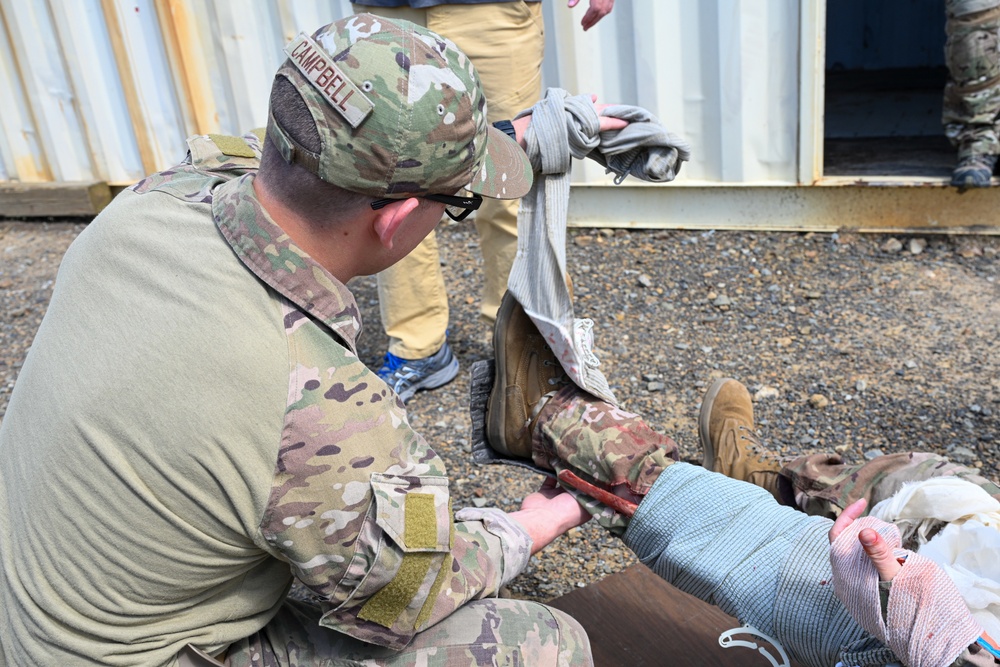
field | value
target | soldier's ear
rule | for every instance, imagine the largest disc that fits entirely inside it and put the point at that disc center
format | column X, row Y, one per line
column 390, row 218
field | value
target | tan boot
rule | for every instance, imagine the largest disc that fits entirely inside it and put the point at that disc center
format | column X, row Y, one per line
column 527, row 373
column 729, row 443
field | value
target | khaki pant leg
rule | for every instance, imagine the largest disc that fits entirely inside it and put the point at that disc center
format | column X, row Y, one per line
column 509, row 632
column 505, row 41
column 413, row 302
column 824, row 485
column 508, row 57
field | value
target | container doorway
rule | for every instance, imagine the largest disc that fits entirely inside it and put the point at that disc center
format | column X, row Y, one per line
column 885, row 74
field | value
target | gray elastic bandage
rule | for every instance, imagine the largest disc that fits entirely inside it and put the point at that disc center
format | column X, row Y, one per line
column 729, row 543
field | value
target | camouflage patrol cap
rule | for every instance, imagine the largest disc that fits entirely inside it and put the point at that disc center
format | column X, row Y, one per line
column 399, row 111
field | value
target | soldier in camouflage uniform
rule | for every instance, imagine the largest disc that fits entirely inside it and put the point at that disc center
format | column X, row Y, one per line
column 972, row 95
column 193, row 430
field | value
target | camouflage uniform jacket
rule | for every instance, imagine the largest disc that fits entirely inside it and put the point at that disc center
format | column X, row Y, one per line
column 232, row 439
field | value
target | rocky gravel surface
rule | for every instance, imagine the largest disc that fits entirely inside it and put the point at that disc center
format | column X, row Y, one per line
column 862, row 344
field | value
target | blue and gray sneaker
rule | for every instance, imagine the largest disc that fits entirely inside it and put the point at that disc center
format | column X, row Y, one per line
column 408, row 376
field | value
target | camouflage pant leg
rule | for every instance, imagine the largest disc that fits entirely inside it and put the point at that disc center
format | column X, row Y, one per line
column 971, row 113
column 824, row 484
column 603, row 443
column 483, row 632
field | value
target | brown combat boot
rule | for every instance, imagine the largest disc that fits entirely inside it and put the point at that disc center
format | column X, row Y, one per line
column 729, row 443
column 527, row 374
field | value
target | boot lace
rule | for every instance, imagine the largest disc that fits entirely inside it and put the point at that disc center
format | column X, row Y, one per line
column 756, row 447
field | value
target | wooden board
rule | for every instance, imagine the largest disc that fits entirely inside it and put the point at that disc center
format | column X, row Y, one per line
column 31, row 200
column 636, row 619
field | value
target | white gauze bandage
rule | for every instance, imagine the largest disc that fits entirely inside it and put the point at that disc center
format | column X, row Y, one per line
column 927, row 623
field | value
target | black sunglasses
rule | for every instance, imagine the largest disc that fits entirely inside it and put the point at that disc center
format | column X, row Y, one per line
column 466, row 205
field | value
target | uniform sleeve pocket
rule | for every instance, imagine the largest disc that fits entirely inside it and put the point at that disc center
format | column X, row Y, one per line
column 414, row 511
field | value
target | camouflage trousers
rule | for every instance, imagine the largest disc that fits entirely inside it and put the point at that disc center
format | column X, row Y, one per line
column 971, row 112
column 604, row 441
column 483, row 632
column 823, row 484
column 601, row 443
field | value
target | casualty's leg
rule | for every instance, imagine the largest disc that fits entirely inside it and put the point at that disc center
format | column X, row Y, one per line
column 730, row 443
column 824, row 485
column 818, row 484
column 724, row 541
column 535, row 412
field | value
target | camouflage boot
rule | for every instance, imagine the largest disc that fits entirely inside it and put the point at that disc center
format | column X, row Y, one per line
column 730, row 445
column 527, row 375
column 974, row 171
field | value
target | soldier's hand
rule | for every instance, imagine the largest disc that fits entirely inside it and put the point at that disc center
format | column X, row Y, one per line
column 548, row 513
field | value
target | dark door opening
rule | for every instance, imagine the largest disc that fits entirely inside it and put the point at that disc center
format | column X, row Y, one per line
column 885, row 75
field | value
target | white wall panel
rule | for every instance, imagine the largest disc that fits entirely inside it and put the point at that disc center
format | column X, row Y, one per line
column 722, row 73
column 156, row 113
column 124, row 82
column 47, row 88
column 90, row 63
column 21, row 155
column 249, row 48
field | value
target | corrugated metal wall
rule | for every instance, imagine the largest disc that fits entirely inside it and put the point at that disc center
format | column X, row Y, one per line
column 108, row 89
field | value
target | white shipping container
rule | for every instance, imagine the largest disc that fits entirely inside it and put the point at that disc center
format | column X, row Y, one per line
column 107, row 90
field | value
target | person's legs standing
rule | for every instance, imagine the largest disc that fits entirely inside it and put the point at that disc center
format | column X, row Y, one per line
column 505, row 41
column 413, row 301
column 972, row 94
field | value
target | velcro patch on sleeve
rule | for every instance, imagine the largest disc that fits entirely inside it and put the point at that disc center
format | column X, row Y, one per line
column 442, row 576
column 414, row 511
column 233, row 146
column 389, row 602
column 421, row 521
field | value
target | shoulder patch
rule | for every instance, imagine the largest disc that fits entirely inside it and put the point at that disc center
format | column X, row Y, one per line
column 223, row 153
column 233, row 146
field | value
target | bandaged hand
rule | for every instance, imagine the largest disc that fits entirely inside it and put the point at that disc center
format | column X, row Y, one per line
column 877, row 549
column 926, row 621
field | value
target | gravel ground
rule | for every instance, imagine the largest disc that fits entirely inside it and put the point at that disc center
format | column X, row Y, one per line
column 865, row 344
